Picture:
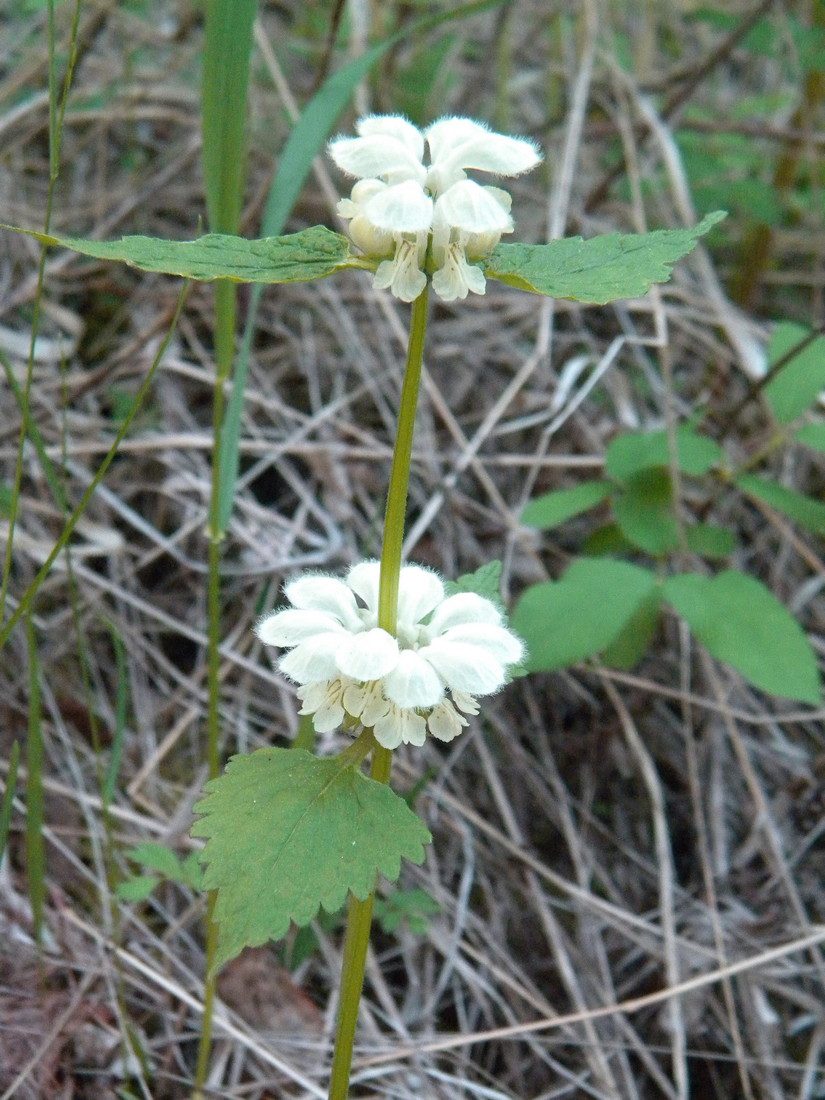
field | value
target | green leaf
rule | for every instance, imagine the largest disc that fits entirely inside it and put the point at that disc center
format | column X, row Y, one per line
column 607, row 540
column 412, row 906
column 634, row 639
column 742, row 623
column 288, row 833
column 484, row 581
column 805, row 511
column 136, row 889
column 296, row 258
column 634, row 451
column 709, row 540
column 644, row 512
column 603, row 269
column 554, row 508
column 812, row 435
column 800, row 381
column 159, row 858
column 565, row 621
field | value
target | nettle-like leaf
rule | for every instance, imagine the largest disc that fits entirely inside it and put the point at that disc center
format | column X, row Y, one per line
column 805, row 511
column 581, row 614
column 484, row 581
column 632, row 452
column 800, row 381
column 741, row 622
column 599, row 270
column 295, row 258
column 550, row 510
column 288, row 832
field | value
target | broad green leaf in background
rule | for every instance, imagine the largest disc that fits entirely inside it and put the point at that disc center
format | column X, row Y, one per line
column 414, row 907
column 296, row 258
column 554, row 508
column 599, row 270
column 644, row 512
column 634, row 451
column 633, row 641
column 288, row 832
column 802, row 378
column 805, row 511
column 607, row 540
column 741, row 622
column 812, row 435
column 565, row 621
column 709, row 540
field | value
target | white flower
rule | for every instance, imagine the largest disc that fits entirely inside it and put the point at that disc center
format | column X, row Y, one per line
column 398, row 200
column 446, row 651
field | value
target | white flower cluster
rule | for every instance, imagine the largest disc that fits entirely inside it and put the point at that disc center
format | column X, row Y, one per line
column 446, row 651
column 399, row 204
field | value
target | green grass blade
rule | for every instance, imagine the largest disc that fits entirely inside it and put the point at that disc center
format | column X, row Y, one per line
column 121, row 717
column 7, row 804
column 35, row 844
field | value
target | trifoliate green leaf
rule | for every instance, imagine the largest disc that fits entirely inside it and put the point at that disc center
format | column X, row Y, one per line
column 554, row 508
column 644, row 512
column 708, row 540
column 565, row 621
column 599, row 270
column 804, row 510
column 631, row 452
column 138, row 888
column 741, row 622
column 288, row 832
column 296, row 258
column 798, row 383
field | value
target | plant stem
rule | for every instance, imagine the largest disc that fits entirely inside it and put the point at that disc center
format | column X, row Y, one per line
column 359, row 915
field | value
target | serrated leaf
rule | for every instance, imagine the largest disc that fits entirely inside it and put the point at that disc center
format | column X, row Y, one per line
column 295, row 258
column 742, row 623
column 484, row 581
column 709, row 540
column 644, row 512
column 812, row 435
column 599, row 270
column 634, row 451
column 565, row 621
column 805, row 511
column 136, row 889
column 800, row 381
column 554, row 508
column 288, row 833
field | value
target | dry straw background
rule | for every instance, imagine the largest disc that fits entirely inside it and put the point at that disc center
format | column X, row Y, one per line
column 600, row 836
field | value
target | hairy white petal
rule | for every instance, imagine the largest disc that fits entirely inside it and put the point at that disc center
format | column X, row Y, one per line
column 444, row 135
column 287, row 628
column 367, row 656
column 497, row 640
column 456, row 278
column 377, row 156
column 402, row 274
column 318, row 593
column 468, row 206
column 401, row 208
column 413, row 682
column 465, row 702
column 324, row 702
column 497, row 153
column 465, row 667
column 363, row 580
column 313, row 660
column 463, row 607
column 394, row 126
column 419, row 591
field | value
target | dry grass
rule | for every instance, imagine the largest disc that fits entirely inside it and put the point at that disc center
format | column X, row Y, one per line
column 601, row 837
